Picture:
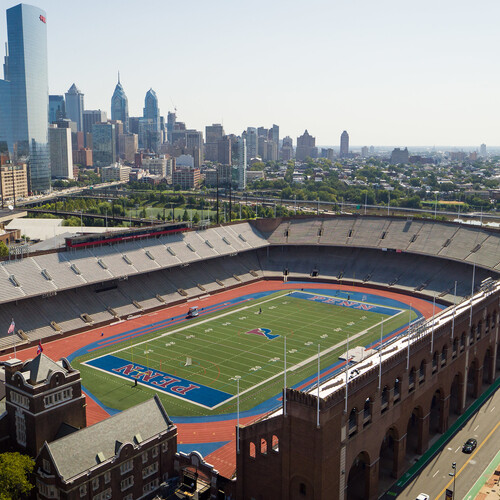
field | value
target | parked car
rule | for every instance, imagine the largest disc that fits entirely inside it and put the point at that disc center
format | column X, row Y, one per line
column 469, row 446
column 423, row 496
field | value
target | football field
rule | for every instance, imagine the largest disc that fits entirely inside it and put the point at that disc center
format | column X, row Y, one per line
column 197, row 365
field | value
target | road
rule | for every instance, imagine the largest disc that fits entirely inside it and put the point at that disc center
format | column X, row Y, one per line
column 434, row 479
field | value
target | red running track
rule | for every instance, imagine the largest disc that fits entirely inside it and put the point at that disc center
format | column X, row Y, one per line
column 224, row 458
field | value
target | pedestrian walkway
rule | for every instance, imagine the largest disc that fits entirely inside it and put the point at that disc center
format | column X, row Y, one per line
column 487, row 487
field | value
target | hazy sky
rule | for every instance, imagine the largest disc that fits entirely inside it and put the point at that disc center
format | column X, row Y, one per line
column 390, row 72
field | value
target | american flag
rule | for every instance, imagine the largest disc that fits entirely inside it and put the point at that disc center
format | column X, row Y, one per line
column 12, row 327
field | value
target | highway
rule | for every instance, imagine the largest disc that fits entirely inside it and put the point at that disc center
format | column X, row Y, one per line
column 434, row 479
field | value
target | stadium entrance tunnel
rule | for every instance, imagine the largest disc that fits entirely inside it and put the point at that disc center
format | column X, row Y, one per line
column 456, row 403
column 414, row 434
column 391, row 452
column 498, row 361
column 437, row 416
column 358, row 482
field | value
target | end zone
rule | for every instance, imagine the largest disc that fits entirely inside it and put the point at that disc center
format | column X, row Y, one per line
column 160, row 381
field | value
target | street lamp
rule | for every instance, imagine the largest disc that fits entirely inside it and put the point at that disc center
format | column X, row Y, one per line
column 453, row 474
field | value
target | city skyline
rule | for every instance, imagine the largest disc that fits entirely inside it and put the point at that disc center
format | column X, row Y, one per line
column 389, row 76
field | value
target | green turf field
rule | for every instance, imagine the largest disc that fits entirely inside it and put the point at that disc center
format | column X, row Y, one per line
column 220, row 351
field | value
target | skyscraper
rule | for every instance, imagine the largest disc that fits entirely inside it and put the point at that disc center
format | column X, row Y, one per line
column 24, row 94
column 242, row 163
column 103, row 144
column 57, row 108
column 344, row 145
column 149, row 126
column 252, row 142
column 74, row 106
column 61, row 156
column 306, row 147
column 119, row 105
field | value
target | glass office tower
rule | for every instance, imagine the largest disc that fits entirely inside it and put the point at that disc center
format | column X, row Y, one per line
column 26, row 71
column 119, row 106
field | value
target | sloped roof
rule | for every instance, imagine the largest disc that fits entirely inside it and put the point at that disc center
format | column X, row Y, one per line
column 39, row 369
column 77, row 452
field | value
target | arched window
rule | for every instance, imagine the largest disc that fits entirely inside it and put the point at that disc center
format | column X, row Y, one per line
column 276, row 444
column 353, row 422
column 411, row 379
column 462, row 342
column 472, row 334
column 252, row 450
column 384, row 399
column 263, row 446
column 455, row 348
column 421, row 372
column 435, row 359
column 444, row 355
column 367, row 412
column 397, row 389
column 479, row 330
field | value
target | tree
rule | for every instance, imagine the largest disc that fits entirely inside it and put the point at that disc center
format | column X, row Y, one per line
column 15, row 470
column 4, row 250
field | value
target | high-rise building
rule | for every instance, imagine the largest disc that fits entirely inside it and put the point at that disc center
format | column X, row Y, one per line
column 344, row 144
column 364, row 151
column 482, row 150
column 127, row 146
column 287, row 149
column 224, row 150
column 274, row 135
column 242, row 163
column 119, row 105
column 91, row 116
column 213, row 134
column 24, row 95
column 13, row 181
column 252, row 142
column 74, row 106
column 399, row 156
column 61, row 155
column 306, row 147
column 103, row 144
column 194, row 146
column 171, row 118
column 57, row 108
column 149, row 125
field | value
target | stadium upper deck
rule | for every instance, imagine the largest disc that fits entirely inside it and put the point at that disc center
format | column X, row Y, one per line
column 125, row 278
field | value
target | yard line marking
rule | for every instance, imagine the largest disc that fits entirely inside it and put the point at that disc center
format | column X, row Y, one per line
column 191, row 323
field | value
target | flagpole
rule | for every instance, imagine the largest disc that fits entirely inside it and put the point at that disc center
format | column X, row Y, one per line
column 380, row 356
column 454, row 305
column 284, row 391
column 238, row 416
column 317, row 411
column 346, row 374
column 472, row 292
column 433, row 311
column 408, row 338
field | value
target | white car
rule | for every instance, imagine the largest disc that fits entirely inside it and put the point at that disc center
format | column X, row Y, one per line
column 423, row 496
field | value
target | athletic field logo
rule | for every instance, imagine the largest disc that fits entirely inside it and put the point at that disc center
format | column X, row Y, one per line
column 263, row 332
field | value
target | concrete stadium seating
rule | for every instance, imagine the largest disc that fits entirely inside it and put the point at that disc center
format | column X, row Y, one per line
column 59, row 292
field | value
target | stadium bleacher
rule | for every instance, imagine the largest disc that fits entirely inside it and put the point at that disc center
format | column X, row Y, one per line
column 60, row 292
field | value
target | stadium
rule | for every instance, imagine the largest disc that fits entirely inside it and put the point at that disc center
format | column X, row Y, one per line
column 319, row 305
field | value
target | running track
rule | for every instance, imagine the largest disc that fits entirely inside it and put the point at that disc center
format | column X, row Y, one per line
column 223, row 458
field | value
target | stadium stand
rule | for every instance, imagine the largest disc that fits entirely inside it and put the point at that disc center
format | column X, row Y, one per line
column 59, row 292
